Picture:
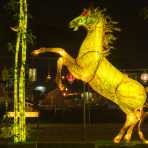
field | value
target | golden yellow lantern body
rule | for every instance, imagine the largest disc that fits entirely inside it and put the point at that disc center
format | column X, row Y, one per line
column 92, row 67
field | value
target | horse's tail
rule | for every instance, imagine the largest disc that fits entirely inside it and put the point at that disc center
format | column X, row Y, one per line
column 144, row 115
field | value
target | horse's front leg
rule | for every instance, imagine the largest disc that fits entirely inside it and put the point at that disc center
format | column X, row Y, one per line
column 77, row 71
column 83, row 68
column 58, row 75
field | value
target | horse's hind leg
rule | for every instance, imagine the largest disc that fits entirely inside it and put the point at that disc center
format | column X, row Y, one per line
column 140, row 133
column 136, row 117
column 128, row 135
column 131, row 121
column 121, row 133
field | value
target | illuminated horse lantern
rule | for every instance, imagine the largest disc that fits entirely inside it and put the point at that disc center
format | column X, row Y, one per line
column 92, row 67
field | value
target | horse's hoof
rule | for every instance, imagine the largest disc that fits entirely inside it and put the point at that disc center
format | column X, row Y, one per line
column 145, row 141
column 117, row 140
column 127, row 139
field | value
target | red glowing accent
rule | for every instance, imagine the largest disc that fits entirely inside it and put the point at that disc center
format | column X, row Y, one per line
column 70, row 77
column 85, row 12
column 64, row 94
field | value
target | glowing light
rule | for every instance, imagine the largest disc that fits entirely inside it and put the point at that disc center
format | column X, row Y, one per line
column 32, row 74
column 144, row 77
column 48, row 76
column 40, row 88
column 63, row 77
column 64, row 93
column 70, row 77
column 27, row 114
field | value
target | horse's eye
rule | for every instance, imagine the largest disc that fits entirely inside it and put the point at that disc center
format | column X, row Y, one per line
column 81, row 20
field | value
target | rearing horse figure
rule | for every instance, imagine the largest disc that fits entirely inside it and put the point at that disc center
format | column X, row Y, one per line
column 92, row 67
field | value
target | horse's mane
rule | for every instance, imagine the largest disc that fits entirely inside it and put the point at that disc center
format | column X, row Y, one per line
column 109, row 27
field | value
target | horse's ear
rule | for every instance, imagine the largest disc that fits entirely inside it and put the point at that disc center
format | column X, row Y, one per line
column 96, row 9
column 99, row 10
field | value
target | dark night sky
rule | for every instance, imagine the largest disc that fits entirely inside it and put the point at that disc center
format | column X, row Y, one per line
column 50, row 25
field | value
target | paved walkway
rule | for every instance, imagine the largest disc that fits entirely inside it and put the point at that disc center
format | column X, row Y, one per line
column 77, row 132
column 74, row 136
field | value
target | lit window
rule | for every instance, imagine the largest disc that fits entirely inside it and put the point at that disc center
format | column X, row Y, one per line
column 32, row 74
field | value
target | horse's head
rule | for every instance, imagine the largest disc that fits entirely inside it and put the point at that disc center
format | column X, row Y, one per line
column 87, row 19
column 97, row 20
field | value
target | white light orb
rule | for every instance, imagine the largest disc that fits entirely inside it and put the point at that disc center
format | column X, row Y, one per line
column 144, row 77
column 42, row 89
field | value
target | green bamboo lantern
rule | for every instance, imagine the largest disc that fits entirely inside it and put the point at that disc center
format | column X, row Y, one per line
column 19, row 128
